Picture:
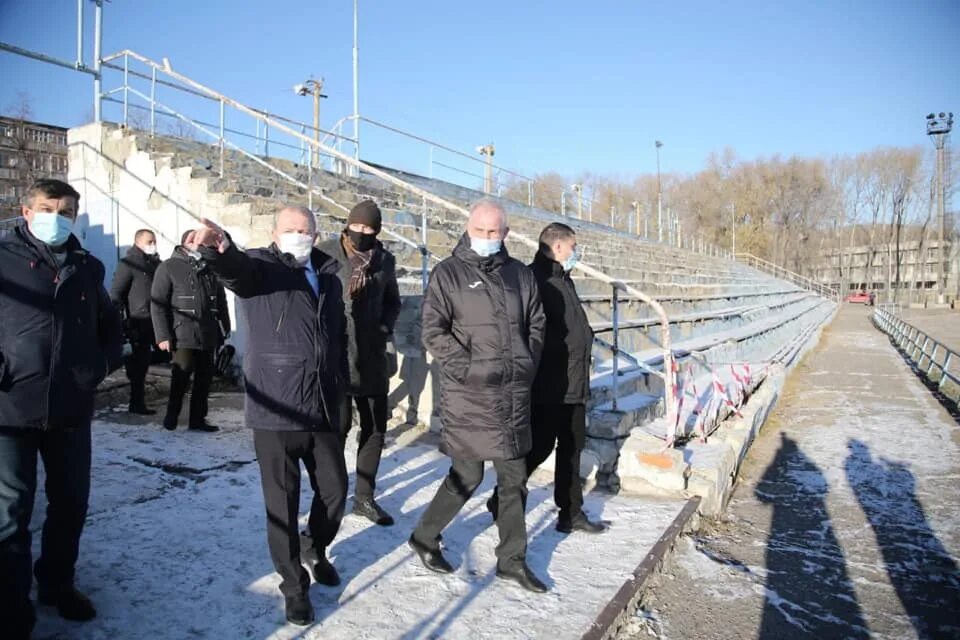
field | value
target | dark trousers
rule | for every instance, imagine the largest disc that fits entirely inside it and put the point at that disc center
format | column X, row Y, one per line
column 279, row 454
column 372, row 411
column 136, row 365
column 199, row 364
column 66, row 460
column 566, row 426
column 464, row 478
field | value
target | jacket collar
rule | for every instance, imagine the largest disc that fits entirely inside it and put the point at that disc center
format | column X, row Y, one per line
column 322, row 262
column 74, row 251
column 547, row 265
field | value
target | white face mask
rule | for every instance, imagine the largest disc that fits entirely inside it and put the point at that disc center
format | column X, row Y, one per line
column 299, row 245
column 150, row 249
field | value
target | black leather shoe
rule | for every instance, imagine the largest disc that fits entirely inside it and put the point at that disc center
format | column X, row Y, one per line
column 369, row 509
column 70, row 604
column 431, row 558
column 299, row 609
column 522, row 575
column 169, row 425
column 320, row 568
column 579, row 522
column 141, row 410
column 203, row 426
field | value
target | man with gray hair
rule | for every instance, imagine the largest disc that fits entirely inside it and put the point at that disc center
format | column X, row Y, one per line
column 483, row 323
column 294, row 370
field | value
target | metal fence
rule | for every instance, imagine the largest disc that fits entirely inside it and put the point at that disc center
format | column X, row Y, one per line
column 930, row 357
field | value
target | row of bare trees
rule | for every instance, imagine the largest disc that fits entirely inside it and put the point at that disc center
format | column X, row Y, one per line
column 791, row 211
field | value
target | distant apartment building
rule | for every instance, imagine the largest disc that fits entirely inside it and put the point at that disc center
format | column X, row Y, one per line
column 28, row 151
column 874, row 268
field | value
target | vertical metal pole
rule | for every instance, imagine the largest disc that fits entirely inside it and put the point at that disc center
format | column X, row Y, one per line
column 310, row 183
column 315, row 156
column 941, row 270
column 563, row 203
column 356, row 83
column 97, row 43
column 126, row 84
column 221, row 137
column 153, row 101
column 530, row 193
column 658, row 144
column 80, row 33
column 424, row 254
column 266, row 139
column 616, row 345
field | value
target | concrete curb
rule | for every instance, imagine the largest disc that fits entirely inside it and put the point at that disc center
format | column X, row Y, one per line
column 625, row 601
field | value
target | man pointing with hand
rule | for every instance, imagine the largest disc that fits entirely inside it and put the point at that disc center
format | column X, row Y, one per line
column 294, row 370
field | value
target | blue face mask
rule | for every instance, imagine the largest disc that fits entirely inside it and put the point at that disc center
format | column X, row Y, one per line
column 484, row 247
column 51, row 228
column 571, row 262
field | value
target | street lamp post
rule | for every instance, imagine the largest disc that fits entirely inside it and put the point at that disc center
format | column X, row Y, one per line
column 657, row 144
column 578, row 189
column 938, row 128
column 314, row 87
column 636, row 212
column 487, row 150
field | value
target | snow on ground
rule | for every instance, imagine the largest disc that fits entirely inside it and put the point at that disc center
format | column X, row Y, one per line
column 175, row 547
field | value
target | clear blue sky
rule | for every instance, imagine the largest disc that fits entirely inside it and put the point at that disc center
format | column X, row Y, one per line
column 564, row 85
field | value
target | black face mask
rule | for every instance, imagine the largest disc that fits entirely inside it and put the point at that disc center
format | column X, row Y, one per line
column 362, row 241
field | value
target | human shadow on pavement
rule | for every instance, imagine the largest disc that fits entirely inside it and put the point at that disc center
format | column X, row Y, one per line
column 808, row 590
column 923, row 573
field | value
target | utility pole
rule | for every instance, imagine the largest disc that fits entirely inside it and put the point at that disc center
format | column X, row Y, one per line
column 487, row 150
column 314, row 87
column 938, row 128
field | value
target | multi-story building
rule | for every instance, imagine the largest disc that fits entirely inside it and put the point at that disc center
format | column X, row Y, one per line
column 874, row 268
column 28, row 151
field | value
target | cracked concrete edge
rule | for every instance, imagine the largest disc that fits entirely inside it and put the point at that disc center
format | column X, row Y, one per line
column 613, row 616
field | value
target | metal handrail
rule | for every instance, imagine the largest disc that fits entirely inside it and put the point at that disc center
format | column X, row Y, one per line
column 426, row 196
column 915, row 344
column 781, row 272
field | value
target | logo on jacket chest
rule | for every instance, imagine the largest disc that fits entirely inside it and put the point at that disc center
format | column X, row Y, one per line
column 474, row 285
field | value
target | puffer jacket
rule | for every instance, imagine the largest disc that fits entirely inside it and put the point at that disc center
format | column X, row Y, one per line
column 188, row 305
column 59, row 333
column 483, row 323
column 130, row 293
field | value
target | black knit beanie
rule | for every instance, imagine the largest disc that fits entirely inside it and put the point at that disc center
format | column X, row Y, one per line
column 366, row 212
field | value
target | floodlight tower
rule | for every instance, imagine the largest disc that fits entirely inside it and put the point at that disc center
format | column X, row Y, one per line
column 939, row 126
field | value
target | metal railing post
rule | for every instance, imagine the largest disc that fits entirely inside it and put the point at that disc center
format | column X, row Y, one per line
column 153, row 101
column 946, row 368
column 97, row 67
column 221, row 137
column 126, row 85
column 266, row 139
column 310, row 181
column 424, row 254
column 616, row 344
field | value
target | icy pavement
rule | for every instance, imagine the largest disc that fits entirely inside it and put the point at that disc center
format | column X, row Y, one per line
column 175, row 547
column 847, row 520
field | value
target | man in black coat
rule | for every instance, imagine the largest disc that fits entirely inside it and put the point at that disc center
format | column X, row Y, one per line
column 483, row 324
column 190, row 319
column 562, row 385
column 130, row 292
column 59, row 337
column 371, row 300
column 294, row 372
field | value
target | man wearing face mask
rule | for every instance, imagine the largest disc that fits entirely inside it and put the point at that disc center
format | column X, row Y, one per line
column 483, row 323
column 190, row 320
column 562, row 385
column 372, row 303
column 59, row 336
column 294, row 371
column 130, row 293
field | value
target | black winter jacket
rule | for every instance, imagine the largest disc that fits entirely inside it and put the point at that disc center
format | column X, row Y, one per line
column 483, row 323
column 564, row 373
column 59, row 334
column 295, row 364
column 188, row 305
column 130, row 293
column 370, row 319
